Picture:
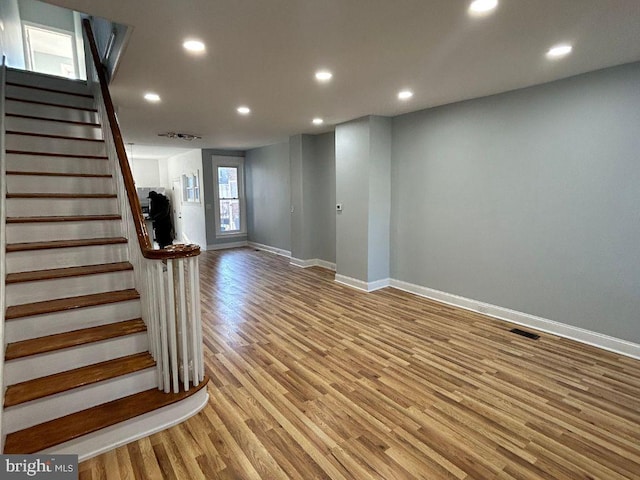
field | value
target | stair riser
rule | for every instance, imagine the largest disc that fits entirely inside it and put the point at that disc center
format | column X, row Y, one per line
column 46, row 184
column 54, row 145
column 52, row 128
column 60, row 322
column 49, row 111
column 42, row 410
column 29, row 292
column 36, row 163
column 65, row 257
column 27, row 232
column 35, row 366
column 24, row 77
column 50, row 97
column 29, row 207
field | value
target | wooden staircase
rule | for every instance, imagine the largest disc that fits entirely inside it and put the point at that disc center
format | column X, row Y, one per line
column 77, row 357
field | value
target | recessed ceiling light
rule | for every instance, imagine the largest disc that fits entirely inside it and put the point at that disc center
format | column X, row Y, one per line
column 405, row 94
column 558, row 51
column 244, row 110
column 318, row 121
column 151, row 97
column 195, row 46
column 324, row 75
column 482, row 7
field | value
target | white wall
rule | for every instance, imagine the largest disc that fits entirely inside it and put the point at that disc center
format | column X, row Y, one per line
column 193, row 214
column 146, row 172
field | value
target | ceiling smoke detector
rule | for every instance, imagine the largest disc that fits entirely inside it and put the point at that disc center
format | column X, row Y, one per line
column 180, row 136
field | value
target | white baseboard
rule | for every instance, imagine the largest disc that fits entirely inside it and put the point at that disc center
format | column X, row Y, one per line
column 362, row 285
column 224, row 246
column 267, row 248
column 94, row 444
column 581, row 335
column 313, row 262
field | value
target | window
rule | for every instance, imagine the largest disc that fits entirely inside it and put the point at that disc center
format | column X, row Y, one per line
column 50, row 51
column 229, row 190
column 191, row 188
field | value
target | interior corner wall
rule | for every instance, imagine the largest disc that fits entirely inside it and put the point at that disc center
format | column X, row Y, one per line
column 268, row 193
column 11, row 34
column 300, row 153
column 379, row 199
column 321, row 208
column 527, row 200
column 352, row 191
column 208, row 193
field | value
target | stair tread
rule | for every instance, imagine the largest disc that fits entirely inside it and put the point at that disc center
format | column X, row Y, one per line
column 70, row 218
column 54, row 273
column 86, row 242
column 53, row 90
column 49, row 119
column 51, row 135
column 57, row 174
column 58, row 155
column 50, row 104
column 69, row 303
column 59, row 341
column 61, row 195
column 78, row 377
column 59, row 430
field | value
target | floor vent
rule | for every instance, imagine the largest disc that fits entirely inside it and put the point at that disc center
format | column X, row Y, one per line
column 524, row 333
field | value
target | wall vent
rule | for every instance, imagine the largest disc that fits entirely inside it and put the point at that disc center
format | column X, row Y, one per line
column 524, row 333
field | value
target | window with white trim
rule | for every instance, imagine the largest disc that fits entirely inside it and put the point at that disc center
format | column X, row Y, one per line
column 229, row 192
column 191, row 187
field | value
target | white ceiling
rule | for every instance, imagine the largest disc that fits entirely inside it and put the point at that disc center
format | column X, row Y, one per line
column 263, row 53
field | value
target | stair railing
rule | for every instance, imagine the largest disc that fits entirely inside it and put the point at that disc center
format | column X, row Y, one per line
column 3, row 237
column 167, row 279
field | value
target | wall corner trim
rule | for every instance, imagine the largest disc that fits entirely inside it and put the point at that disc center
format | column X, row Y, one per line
column 312, row 262
column 581, row 335
column 362, row 285
column 268, row 248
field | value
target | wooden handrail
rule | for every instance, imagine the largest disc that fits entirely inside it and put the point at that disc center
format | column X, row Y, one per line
column 174, row 251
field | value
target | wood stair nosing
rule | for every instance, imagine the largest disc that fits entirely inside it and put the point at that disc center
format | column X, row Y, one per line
column 69, row 303
column 69, row 427
column 58, row 120
column 61, row 195
column 51, row 135
column 87, row 242
column 57, row 155
column 58, row 174
column 78, row 377
column 52, row 90
column 69, row 218
column 84, row 336
column 50, row 104
column 55, row 273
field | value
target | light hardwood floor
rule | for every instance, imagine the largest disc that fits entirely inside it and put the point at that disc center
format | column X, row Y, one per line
column 311, row 379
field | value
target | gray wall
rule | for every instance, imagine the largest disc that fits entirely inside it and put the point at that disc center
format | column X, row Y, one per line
column 11, row 34
column 528, row 200
column 322, row 190
column 352, row 191
column 209, row 194
column 379, row 199
column 46, row 14
column 268, row 195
